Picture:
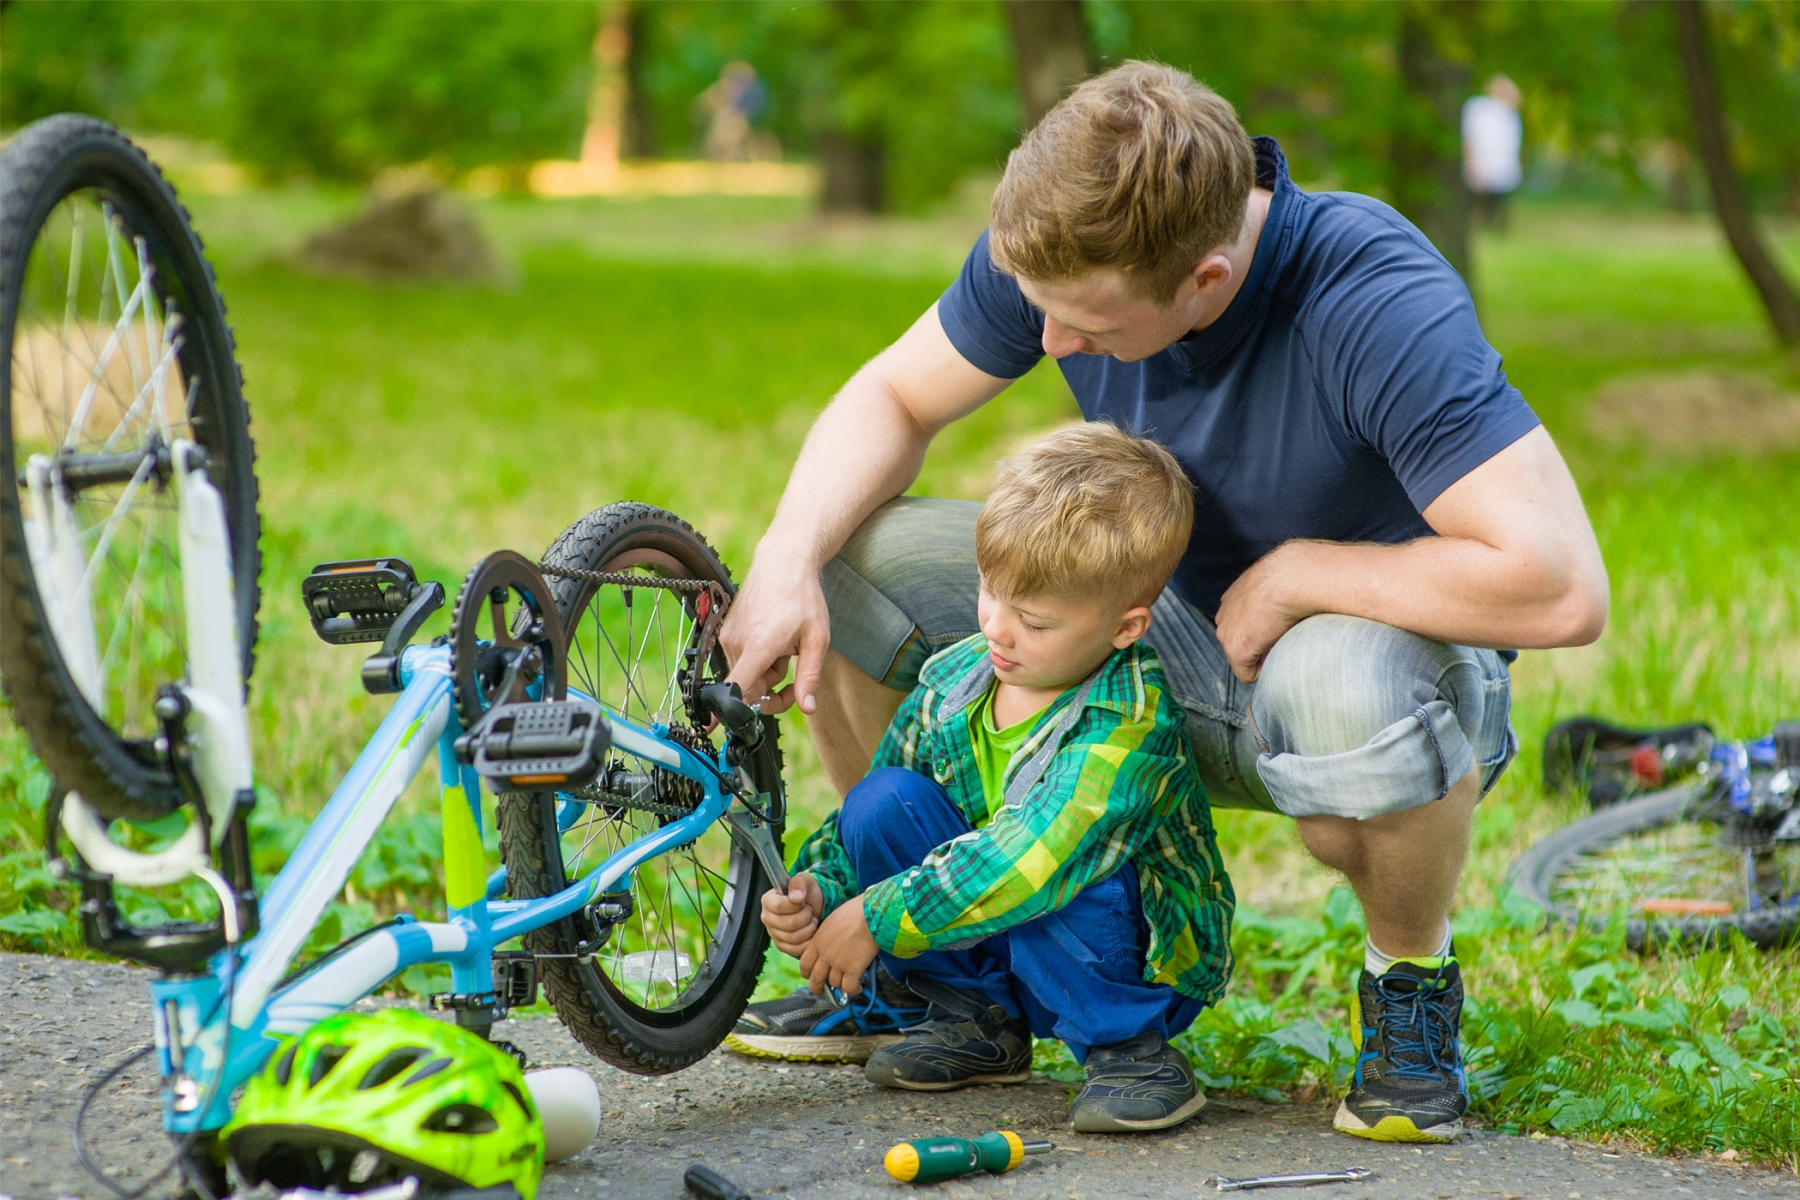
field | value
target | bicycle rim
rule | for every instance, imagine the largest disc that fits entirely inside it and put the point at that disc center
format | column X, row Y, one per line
column 96, row 373
column 1671, row 868
column 626, row 648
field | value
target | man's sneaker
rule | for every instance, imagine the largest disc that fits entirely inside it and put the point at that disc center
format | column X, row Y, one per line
column 1141, row 1084
column 808, row 1028
column 1409, row 1084
column 964, row 1039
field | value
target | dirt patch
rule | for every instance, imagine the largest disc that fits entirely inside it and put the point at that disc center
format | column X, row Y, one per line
column 1698, row 413
column 415, row 235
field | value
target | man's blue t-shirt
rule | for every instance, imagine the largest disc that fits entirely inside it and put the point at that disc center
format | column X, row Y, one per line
column 1346, row 386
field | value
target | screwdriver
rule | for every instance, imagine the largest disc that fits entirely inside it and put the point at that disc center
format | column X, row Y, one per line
column 929, row 1160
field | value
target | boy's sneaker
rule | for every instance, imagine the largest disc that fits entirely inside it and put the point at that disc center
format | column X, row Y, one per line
column 808, row 1028
column 1409, row 1084
column 1141, row 1084
column 964, row 1039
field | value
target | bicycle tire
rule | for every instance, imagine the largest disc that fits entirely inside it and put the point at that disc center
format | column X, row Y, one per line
column 588, row 999
column 1539, row 874
column 56, row 166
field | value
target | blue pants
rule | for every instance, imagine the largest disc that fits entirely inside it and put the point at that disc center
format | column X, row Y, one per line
column 1075, row 974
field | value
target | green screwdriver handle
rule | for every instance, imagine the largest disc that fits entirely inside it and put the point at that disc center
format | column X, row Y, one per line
column 930, row 1160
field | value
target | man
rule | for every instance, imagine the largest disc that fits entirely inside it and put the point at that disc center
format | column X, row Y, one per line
column 1380, row 518
column 1492, row 134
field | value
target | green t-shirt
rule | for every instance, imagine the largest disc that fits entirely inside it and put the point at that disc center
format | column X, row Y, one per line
column 994, row 747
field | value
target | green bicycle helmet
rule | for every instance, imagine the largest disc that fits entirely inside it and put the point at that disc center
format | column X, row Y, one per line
column 363, row 1100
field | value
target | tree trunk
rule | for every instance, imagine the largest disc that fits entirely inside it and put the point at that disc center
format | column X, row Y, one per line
column 640, row 126
column 1051, row 49
column 601, row 141
column 1729, row 201
column 854, row 170
column 1427, row 149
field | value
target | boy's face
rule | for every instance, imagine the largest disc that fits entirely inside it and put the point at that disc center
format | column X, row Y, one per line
column 1053, row 641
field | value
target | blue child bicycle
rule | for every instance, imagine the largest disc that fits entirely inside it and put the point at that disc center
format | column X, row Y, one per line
column 640, row 803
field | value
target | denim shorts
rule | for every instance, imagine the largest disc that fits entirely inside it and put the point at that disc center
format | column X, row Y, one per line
column 1348, row 717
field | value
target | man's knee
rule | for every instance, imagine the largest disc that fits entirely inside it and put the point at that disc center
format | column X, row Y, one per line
column 1333, row 683
column 1356, row 719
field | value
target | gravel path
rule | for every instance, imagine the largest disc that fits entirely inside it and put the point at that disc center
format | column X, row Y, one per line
column 798, row 1131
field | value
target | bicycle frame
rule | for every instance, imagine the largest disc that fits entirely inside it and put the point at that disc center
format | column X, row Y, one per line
column 208, row 1046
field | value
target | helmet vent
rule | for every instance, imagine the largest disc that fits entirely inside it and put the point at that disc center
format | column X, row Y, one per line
column 323, row 1061
column 364, row 1166
column 461, row 1118
column 516, row 1094
column 284, row 1066
column 391, row 1065
column 427, row 1071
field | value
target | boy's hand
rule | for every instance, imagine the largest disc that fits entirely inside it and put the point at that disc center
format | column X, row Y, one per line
column 792, row 917
column 840, row 952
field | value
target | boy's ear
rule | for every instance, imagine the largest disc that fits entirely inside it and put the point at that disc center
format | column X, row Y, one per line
column 1134, row 623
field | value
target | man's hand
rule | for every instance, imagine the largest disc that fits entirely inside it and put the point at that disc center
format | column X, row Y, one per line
column 792, row 917
column 1259, row 607
column 778, row 613
column 865, row 449
column 840, row 952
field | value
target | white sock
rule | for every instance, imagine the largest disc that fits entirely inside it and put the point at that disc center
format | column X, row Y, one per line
column 1375, row 962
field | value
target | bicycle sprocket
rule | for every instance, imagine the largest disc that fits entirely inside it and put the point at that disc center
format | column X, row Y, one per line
column 527, row 647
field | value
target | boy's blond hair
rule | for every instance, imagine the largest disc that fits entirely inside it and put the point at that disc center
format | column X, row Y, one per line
column 1143, row 169
column 1090, row 512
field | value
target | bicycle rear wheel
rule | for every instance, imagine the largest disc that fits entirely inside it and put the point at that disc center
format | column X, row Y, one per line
column 1675, row 866
column 117, row 346
column 673, row 976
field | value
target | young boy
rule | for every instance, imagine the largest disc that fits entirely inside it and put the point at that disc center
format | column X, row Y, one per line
column 1032, row 852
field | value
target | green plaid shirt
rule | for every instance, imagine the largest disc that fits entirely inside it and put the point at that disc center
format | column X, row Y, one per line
column 1086, row 791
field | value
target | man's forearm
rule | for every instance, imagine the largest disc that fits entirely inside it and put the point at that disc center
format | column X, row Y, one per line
column 1448, row 588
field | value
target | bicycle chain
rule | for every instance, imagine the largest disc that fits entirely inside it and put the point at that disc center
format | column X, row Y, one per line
column 709, row 621
column 686, row 793
column 628, row 580
column 596, row 794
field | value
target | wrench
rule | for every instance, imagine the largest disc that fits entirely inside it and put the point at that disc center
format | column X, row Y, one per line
column 1348, row 1175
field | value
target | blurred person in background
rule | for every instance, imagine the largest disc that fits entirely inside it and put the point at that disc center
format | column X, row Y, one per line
column 1492, row 135
column 731, row 106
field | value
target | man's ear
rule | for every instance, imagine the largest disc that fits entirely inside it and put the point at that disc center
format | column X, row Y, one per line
column 1133, row 624
column 1211, row 273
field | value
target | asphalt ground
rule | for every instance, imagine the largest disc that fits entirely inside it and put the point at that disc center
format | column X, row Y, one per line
column 796, row 1130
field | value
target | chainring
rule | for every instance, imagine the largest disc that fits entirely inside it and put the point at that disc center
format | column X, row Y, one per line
column 529, row 646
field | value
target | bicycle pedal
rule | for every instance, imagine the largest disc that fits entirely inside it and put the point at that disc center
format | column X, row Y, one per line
column 539, row 744
column 358, row 600
column 515, row 978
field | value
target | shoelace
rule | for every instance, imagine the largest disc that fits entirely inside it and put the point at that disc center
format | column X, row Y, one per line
column 1415, row 1026
column 869, row 1005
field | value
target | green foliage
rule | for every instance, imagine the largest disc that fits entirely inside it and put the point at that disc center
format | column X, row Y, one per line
column 339, row 90
column 334, row 90
column 930, row 81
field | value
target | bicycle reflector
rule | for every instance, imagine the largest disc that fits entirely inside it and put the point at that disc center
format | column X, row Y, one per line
column 540, row 744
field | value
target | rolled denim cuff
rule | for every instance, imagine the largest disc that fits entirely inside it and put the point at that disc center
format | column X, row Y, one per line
column 1412, row 762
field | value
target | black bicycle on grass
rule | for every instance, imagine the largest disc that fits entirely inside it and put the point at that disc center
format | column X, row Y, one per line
column 1712, row 845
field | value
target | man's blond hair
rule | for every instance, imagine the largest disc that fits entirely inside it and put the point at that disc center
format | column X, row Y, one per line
column 1090, row 512
column 1143, row 169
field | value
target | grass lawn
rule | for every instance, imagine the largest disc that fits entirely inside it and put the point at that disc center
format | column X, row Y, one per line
column 675, row 351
